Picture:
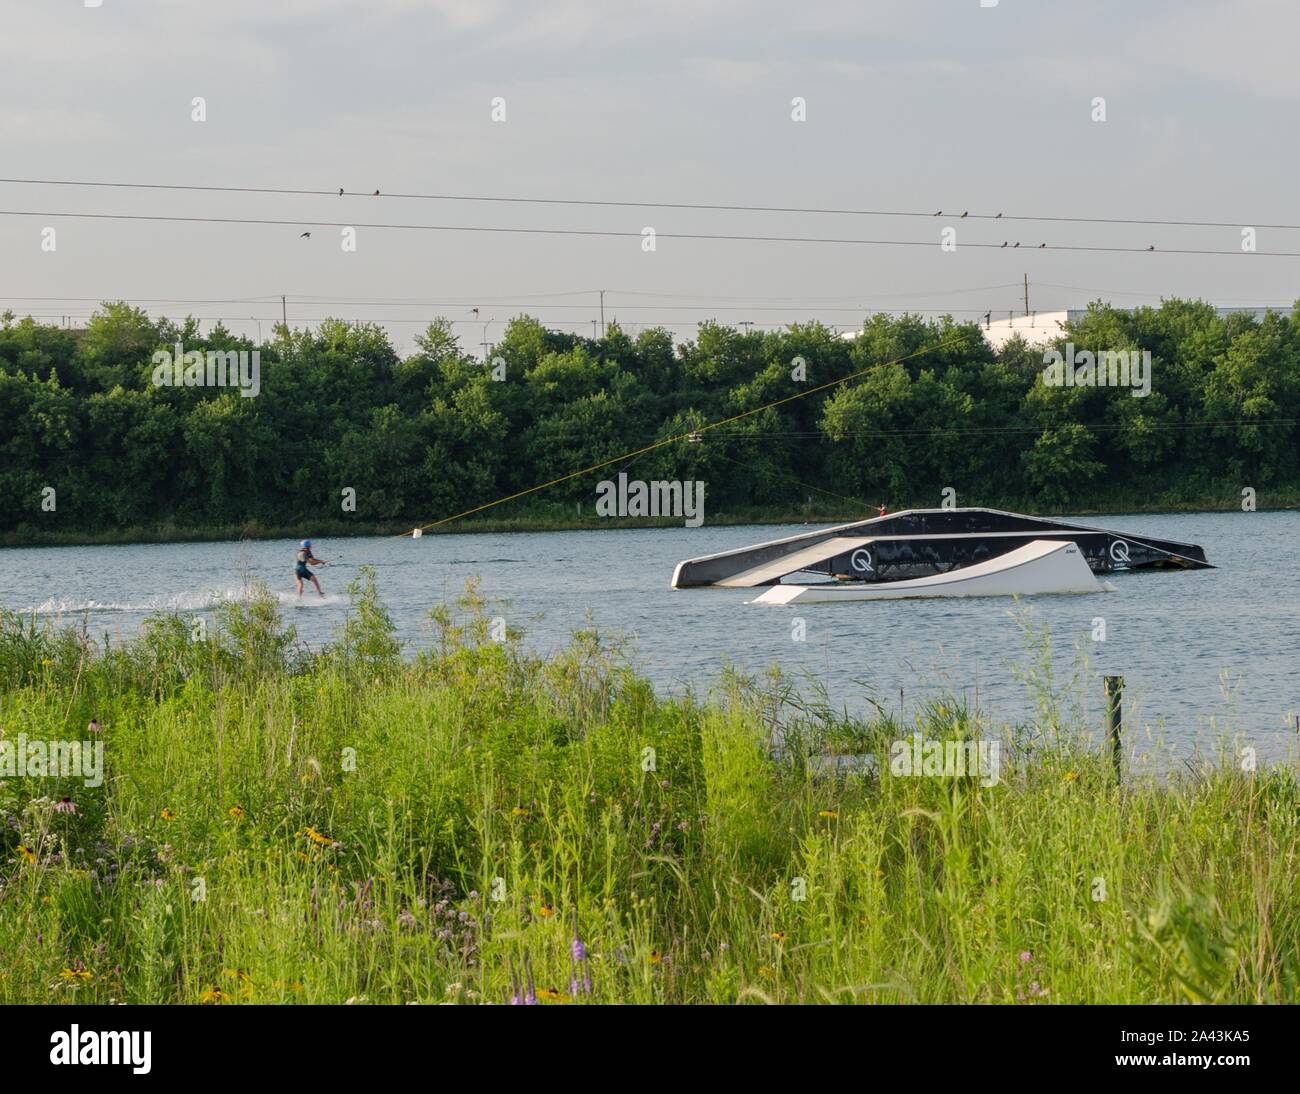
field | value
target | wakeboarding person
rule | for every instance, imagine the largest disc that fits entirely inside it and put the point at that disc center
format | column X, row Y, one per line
column 303, row 559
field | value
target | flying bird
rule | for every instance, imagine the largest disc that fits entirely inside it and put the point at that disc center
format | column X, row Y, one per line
column 305, row 235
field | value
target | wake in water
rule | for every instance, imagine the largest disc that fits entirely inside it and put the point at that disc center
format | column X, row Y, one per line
column 194, row 601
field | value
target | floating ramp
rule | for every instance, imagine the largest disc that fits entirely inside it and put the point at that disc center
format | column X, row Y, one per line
column 924, row 542
column 1040, row 567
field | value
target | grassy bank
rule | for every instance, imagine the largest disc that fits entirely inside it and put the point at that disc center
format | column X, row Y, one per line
column 560, row 518
column 279, row 827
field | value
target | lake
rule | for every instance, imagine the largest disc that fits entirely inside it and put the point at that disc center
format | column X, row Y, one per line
column 1203, row 653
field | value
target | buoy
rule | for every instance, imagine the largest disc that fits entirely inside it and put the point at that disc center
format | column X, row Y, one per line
column 416, row 533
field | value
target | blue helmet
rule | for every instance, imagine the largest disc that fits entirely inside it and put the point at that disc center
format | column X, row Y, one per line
column 306, row 543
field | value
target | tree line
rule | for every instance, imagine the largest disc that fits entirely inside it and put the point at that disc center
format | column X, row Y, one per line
column 438, row 431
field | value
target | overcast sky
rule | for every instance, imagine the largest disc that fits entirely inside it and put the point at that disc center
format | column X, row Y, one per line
column 911, row 105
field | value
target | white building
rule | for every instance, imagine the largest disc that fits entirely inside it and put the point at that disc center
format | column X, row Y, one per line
column 1037, row 328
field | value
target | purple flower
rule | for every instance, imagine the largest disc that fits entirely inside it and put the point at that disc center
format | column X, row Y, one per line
column 65, row 805
column 578, row 950
column 1026, row 957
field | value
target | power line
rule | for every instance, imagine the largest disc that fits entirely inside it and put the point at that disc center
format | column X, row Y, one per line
column 614, row 234
column 715, row 207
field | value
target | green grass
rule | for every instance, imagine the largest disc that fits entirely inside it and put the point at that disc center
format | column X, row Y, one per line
column 365, row 828
column 546, row 516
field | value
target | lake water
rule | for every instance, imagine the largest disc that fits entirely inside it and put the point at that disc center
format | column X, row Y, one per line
column 1202, row 652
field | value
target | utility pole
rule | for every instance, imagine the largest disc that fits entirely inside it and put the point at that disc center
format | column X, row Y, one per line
column 284, row 313
column 1026, row 296
column 602, row 313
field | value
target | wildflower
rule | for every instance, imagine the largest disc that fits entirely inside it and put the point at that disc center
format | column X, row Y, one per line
column 530, row 995
column 519, row 811
column 27, row 854
column 235, row 811
column 830, row 814
column 1026, row 957
column 317, row 838
column 655, row 957
column 1070, row 776
column 167, row 814
column 546, row 911
column 578, row 950
column 76, row 974
column 764, row 971
column 65, row 805
column 778, row 936
column 550, row 993
column 93, row 727
column 214, row 995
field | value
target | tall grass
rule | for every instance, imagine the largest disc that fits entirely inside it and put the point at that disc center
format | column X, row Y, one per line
column 278, row 826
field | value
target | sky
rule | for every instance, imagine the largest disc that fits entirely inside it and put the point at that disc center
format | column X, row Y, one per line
column 909, row 106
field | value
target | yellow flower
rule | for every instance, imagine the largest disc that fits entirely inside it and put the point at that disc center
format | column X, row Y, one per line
column 1070, row 776
column 546, row 911
column 76, row 974
column 655, row 957
column 550, row 993
column 827, row 813
column 764, row 971
column 28, row 855
column 519, row 811
column 167, row 814
column 237, row 974
column 214, row 995
column 778, row 936
column 235, row 811
column 316, row 837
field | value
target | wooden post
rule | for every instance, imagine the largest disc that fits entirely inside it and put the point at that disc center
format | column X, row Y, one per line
column 1113, row 689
